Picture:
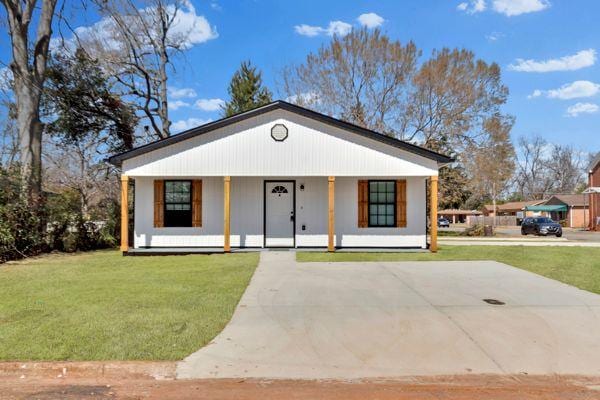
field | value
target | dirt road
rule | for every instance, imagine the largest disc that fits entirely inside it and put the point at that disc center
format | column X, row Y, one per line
column 107, row 381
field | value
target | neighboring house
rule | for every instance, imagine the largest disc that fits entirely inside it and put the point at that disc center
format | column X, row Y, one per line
column 593, row 194
column 514, row 208
column 570, row 208
column 458, row 216
column 280, row 176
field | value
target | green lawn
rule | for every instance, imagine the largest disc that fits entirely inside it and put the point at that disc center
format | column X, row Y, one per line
column 102, row 306
column 577, row 266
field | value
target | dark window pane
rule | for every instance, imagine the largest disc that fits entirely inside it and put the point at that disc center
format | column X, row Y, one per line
column 382, row 207
column 178, row 204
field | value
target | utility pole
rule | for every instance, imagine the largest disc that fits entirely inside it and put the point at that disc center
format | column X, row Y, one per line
column 494, row 204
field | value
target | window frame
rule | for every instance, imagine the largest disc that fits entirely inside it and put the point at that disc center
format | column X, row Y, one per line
column 395, row 203
column 165, row 203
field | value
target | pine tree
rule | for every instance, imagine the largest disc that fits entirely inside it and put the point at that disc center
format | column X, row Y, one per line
column 246, row 90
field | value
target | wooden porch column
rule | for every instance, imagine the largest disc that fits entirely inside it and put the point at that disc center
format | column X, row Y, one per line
column 433, row 212
column 124, row 213
column 331, row 219
column 226, row 213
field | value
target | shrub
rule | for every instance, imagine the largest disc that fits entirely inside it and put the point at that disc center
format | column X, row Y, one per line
column 477, row 230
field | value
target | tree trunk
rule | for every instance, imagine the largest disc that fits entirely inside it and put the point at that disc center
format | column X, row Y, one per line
column 29, row 66
column 163, row 110
column 30, row 141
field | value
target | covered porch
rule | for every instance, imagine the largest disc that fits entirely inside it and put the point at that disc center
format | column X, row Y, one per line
column 245, row 213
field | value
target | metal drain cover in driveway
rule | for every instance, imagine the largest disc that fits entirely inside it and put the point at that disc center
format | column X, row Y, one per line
column 494, row 302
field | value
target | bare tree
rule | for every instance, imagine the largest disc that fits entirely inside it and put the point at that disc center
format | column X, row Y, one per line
column 567, row 169
column 532, row 179
column 363, row 78
column 77, row 166
column 490, row 164
column 454, row 95
column 375, row 82
column 28, row 65
column 138, row 46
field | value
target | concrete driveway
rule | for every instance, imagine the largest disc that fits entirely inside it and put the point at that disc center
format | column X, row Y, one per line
column 393, row 319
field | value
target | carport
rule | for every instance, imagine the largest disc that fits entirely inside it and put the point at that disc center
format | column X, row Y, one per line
column 556, row 212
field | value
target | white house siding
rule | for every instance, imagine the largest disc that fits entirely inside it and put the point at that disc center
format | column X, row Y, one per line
column 311, row 149
column 311, row 211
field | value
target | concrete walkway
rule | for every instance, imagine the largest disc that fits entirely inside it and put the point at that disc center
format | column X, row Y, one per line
column 355, row 320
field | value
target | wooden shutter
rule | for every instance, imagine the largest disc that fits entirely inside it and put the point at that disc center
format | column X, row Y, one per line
column 197, row 203
column 363, row 204
column 159, row 203
column 401, row 203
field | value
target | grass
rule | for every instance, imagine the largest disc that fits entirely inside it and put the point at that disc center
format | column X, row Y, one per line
column 103, row 306
column 577, row 266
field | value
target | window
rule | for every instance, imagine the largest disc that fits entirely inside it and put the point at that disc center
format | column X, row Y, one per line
column 382, row 203
column 178, row 203
column 279, row 189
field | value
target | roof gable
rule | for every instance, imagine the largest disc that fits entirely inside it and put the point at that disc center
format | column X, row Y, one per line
column 247, row 148
column 568, row 199
column 280, row 105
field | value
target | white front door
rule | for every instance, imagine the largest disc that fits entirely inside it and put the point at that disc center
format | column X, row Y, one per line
column 279, row 214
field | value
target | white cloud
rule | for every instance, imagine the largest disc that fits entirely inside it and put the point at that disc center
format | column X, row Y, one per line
column 187, row 30
column 177, row 104
column 209, row 104
column 507, row 7
column 308, row 30
column 216, row 6
column 582, row 59
column 370, row 20
column 472, row 6
column 536, row 93
column 182, row 93
column 577, row 89
column 185, row 124
column 191, row 26
column 338, row 28
column 494, row 36
column 6, row 77
column 582, row 108
column 517, row 7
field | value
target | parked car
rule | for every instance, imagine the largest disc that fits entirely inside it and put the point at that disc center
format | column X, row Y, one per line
column 540, row 226
column 443, row 223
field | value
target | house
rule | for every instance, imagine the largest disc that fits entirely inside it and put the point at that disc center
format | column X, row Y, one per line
column 570, row 208
column 279, row 176
column 457, row 215
column 513, row 208
column 593, row 194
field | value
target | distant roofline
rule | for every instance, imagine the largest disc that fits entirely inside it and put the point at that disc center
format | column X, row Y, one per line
column 118, row 159
column 594, row 163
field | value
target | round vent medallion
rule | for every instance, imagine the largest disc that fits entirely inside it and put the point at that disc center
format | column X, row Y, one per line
column 279, row 132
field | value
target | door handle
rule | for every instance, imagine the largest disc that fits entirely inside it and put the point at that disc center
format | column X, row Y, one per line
column 292, row 216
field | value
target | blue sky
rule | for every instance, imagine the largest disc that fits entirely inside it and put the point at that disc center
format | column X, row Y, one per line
column 555, row 95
